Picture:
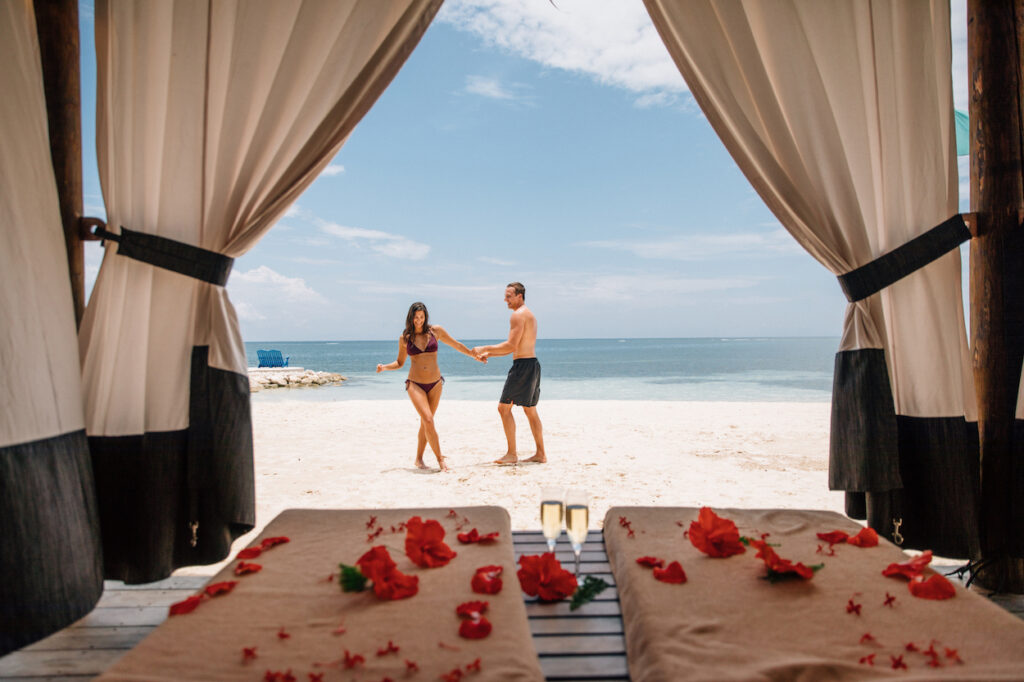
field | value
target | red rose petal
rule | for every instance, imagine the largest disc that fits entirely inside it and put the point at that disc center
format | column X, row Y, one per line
column 472, row 628
column 471, row 609
column 250, row 553
column 673, row 573
column 424, row 543
column 936, row 587
column 487, row 580
column 543, row 576
column 273, row 542
column 651, row 562
column 244, row 568
column 185, row 606
column 867, row 537
column 909, row 569
column 834, row 537
column 217, row 589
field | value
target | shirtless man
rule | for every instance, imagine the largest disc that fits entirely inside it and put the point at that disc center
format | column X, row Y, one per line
column 522, row 387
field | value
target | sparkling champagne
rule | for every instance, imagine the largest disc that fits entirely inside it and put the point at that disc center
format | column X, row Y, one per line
column 576, row 518
column 551, row 518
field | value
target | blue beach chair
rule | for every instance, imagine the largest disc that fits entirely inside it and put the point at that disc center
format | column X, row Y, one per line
column 271, row 358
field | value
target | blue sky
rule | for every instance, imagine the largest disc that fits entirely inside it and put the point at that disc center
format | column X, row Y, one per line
column 557, row 146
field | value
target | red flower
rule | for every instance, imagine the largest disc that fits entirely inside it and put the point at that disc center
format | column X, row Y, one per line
column 453, row 676
column 853, row 607
column 250, row 553
column 411, row 667
column 777, row 566
column 390, row 648
column 352, row 660
column 475, row 628
column 834, row 537
column 315, row 677
column 243, row 568
column 371, row 522
column 475, row 536
column 936, row 587
column 217, row 589
column 952, row 654
column 424, row 543
column 867, row 537
column 248, row 653
column 715, row 536
column 543, row 576
column 867, row 660
column 473, row 667
column 487, row 580
column 281, row 634
column 471, row 609
column 909, row 569
column 867, row 637
column 388, row 582
column 897, row 662
column 672, row 574
column 910, row 646
column 890, row 599
column 272, row 542
column 651, row 562
column 185, row 606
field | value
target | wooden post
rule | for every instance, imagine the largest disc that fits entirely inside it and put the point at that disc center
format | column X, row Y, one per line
column 997, row 259
column 57, row 27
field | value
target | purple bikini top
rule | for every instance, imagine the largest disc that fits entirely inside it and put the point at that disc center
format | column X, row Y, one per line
column 411, row 348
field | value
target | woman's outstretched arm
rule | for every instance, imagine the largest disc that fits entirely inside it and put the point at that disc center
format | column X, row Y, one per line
column 398, row 362
column 440, row 333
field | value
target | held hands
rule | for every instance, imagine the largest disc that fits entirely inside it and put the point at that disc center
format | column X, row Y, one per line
column 380, row 368
column 479, row 354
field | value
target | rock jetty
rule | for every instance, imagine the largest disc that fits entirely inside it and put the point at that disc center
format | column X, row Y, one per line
column 290, row 377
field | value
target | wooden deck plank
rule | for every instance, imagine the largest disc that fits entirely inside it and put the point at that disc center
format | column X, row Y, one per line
column 52, row 663
column 575, row 667
column 72, row 638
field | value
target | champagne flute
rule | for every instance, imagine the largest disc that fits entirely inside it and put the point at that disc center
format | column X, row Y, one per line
column 551, row 512
column 577, row 517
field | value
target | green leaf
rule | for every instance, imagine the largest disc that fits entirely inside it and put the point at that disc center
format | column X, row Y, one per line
column 586, row 592
column 352, row 579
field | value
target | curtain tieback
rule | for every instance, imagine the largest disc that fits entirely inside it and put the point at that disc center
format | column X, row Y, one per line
column 185, row 259
column 891, row 267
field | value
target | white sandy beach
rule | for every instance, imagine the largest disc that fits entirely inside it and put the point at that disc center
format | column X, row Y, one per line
column 359, row 454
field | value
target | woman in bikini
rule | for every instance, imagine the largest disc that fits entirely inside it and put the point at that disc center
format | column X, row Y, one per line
column 424, row 385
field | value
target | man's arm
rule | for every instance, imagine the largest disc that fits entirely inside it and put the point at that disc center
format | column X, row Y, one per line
column 515, row 334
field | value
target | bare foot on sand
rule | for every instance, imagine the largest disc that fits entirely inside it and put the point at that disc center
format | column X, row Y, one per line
column 539, row 458
column 440, row 462
column 509, row 458
column 420, row 464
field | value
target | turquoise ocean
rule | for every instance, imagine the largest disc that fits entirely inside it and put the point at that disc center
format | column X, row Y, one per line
column 697, row 369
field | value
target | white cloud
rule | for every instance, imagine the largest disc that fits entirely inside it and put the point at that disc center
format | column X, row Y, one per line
column 384, row 243
column 247, row 312
column 642, row 289
column 612, row 41
column 267, row 282
column 487, row 87
column 332, row 170
column 706, row 246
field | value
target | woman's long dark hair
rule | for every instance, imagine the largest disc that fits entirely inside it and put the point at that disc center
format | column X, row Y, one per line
column 410, row 326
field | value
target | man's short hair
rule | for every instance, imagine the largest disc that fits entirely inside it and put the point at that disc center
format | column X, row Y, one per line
column 518, row 288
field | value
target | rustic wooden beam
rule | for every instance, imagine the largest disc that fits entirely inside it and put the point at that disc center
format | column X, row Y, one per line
column 994, row 32
column 57, row 27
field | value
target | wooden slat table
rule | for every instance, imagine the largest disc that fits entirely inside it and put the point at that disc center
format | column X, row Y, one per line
column 586, row 644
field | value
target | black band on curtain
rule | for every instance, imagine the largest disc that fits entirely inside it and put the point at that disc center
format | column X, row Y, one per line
column 891, row 267
column 185, row 259
column 49, row 538
column 202, row 474
column 863, row 445
column 938, row 508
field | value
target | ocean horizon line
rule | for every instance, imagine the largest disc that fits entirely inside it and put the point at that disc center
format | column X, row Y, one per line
column 720, row 337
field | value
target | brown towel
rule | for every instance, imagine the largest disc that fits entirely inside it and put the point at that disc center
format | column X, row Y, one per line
column 728, row 623
column 293, row 594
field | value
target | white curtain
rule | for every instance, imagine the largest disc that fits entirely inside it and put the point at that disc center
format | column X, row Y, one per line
column 840, row 115
column 212, row 118
column 49, row 562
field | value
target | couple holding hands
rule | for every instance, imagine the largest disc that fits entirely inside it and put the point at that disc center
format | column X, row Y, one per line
column 419, row 343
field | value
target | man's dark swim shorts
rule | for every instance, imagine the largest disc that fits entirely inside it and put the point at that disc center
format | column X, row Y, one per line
column 522, row 387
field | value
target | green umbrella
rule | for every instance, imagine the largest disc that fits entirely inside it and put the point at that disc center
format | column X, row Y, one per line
column 963, row 133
